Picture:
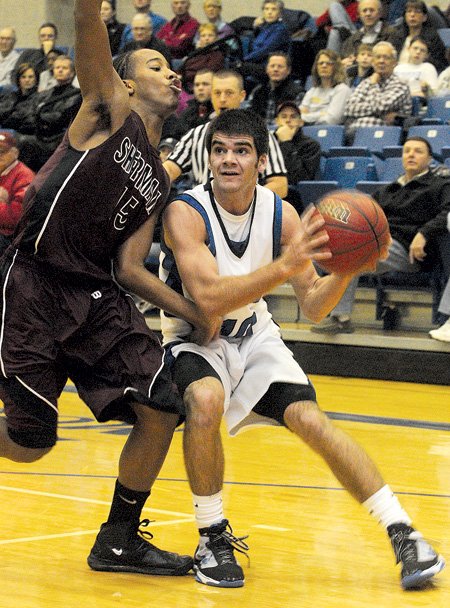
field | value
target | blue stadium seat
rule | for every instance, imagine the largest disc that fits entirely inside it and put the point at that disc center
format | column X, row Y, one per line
column 444, row 34
column 328, row 136
column 391, row 169
column 377, row 138
column 437, row 135
column 370, row 141
column 439, row 107
column 349, row 170
column 312, row 191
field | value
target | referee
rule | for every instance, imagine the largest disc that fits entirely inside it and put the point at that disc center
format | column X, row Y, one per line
column 190, row 154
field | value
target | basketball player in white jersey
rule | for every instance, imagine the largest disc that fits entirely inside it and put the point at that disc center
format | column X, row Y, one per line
column 226, row 244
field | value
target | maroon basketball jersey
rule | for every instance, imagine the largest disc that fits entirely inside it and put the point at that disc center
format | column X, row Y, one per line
column 83, row 205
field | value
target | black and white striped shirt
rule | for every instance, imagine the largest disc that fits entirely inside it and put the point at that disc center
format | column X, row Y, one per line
column 190, row 154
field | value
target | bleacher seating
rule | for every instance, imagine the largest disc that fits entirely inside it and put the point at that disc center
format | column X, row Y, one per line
column 312, row 191
column 349, row 170
column 439, row 107
column 328, row 136
column 369, row 141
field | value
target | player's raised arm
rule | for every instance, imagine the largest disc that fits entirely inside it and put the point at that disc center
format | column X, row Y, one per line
column 105, row 98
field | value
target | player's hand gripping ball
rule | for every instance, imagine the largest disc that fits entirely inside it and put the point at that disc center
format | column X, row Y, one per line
column 358, row 231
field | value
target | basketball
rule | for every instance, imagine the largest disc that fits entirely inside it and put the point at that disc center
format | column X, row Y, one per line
column 357, row 227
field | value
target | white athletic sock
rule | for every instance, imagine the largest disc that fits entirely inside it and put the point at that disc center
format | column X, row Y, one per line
column 386, row 509
column 208, row 509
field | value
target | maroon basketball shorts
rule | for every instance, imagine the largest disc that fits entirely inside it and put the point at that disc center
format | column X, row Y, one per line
column 52, row 330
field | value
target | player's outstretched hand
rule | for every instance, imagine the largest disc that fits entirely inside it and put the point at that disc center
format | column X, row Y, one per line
column 309, row 243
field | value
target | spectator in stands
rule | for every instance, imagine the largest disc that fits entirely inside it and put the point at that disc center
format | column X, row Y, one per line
column 213, row 12
column 278, row 87
column 301, row 154
column 46, row 78
column 178, row 34
column 416, row 23
column 363, row 66
column 206, row 55
column 53, row 111
column 416, row 206
column 191, row 155
column 115, row 29
column 420, row 75
column 8, row 55
column 143, row 38
column 47, row 34
column 324, row 103
column 373, row 30
column 271, row 34
column 15, row 177
column 380, row 99
column 17, row 107
column 207, row 34
column 443, row 83
column 143, row 7
column 199, row 108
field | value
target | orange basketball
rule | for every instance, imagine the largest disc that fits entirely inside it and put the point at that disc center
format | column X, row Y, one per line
column 357, row 227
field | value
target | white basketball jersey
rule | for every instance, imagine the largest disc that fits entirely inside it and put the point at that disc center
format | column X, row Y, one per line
column 259, row 247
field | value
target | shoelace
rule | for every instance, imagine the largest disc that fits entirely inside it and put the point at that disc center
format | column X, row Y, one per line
column 145, row 534
column 237, row 543
column 404, row 547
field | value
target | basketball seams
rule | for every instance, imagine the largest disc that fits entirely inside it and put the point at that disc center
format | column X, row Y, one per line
column 366, row 223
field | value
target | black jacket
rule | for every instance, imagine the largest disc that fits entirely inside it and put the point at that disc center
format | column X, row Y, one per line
column 17, row 111
column 55, row 109
column 287, row 90
column 194, row 115
column 422, row 205
column 301, row 156
column 115, row 31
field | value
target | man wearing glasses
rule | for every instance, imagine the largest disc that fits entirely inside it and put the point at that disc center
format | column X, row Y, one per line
column 381, row 99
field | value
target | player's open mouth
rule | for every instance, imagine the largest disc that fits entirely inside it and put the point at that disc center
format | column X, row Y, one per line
column 176, row 86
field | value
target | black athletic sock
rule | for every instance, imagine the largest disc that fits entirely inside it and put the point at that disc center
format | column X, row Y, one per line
column 126, row 504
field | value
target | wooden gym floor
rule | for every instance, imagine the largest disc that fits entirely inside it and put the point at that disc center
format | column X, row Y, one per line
column 311, row 544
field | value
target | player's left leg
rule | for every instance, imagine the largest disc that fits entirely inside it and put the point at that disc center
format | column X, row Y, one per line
column 120, row 545
column 358, row 474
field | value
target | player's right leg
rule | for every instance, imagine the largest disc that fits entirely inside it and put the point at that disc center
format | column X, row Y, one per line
column 28, row 431
column 356, row 471
column 203, row 394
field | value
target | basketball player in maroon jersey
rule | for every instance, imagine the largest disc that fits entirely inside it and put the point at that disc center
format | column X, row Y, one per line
column 90, row 213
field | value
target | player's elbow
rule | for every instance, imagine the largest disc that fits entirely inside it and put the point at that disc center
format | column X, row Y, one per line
column 313, row 314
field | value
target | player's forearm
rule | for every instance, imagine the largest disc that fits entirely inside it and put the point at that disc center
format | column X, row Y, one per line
column 324, row 295
column 150, row 288
column 227, row 293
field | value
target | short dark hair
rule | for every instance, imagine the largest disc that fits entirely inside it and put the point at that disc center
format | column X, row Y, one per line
column 49, row 24
column 280, row 54
column 240, row 122
column 416, row 4
column 24, row 67
column 423, row 140
column 419, row 39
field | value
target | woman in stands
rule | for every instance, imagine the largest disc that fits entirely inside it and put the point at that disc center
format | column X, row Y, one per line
column 324, row 103
column 17, row 107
